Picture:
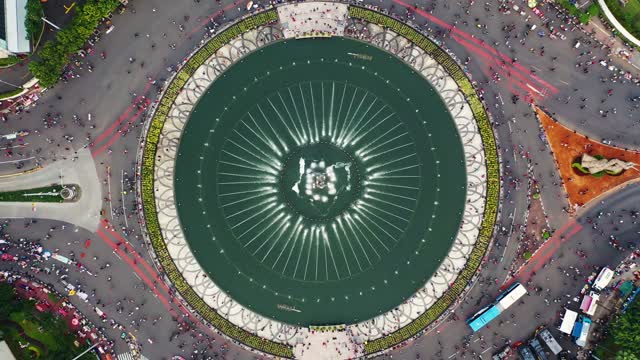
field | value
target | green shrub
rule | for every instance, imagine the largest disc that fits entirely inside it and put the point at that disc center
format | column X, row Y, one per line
column 8, row 61
column 11, row 93
column 577, row 165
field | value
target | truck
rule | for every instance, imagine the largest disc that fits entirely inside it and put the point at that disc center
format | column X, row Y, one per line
column 550, row 341
column 539, row 350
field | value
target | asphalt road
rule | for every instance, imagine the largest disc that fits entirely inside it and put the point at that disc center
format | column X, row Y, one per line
column 109, row 90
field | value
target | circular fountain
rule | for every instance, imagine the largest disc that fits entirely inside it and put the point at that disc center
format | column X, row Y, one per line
column 329, row 184
column 292, row 185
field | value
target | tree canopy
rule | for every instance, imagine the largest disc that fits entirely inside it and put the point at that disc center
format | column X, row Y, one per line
column 33, row 19
column 626, row 333
column 55, row 53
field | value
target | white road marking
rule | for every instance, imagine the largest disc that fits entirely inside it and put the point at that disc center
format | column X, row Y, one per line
column 14, row 146
column 124, row 210
column 533, row 88
column 487, row 349
column 134, row 273
column 513, row 219
column 116, row 254
column 15, row 161
column 456, row 353
column 109, row 193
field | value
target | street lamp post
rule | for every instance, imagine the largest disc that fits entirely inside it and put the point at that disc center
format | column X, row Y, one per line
column 86, row 351
column 8, row 83
column 50, row 23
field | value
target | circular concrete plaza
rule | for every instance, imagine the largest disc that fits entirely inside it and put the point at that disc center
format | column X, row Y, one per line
column 320, row 181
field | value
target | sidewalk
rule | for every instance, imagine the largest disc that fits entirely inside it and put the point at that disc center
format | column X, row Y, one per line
column 616, row 45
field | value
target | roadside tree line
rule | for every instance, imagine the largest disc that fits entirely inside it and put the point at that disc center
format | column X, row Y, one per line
column 55, row 54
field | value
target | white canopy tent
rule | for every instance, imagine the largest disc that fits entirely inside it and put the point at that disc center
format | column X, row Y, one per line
column 568, row 321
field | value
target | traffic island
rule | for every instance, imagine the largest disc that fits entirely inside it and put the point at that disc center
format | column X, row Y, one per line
column 66, row 190
column 49, row 194
column 569, row 150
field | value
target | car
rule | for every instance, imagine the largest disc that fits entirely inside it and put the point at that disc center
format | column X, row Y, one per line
column 537, row 12
column 8, row 257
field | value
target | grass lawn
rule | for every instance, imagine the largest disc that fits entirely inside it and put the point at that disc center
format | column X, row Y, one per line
column 628, row 15
column 19, row 195
column 32, row 330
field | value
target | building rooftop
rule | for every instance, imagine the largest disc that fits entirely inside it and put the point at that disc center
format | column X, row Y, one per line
column 16, row 33
column 5, row 352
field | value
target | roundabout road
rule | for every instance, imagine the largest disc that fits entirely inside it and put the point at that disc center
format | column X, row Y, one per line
column 168, row 30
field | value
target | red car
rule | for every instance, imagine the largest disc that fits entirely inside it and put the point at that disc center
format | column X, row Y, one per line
column 9, row 257
column 537, row 12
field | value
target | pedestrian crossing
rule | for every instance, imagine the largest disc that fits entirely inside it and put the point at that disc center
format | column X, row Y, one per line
column 130, row 356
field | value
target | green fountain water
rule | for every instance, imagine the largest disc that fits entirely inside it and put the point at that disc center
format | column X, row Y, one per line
column 313, row 180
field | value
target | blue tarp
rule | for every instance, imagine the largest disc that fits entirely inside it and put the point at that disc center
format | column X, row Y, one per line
column 577, row 329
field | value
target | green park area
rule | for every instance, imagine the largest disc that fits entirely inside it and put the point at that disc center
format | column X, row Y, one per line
column 42, row 194
column 624, row 336
column 34, row 335
column 628, row 14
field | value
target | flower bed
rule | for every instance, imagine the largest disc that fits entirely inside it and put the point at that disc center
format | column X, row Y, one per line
column 148, row 196
column 20, row 195
column 568, row 148
column 493, row 182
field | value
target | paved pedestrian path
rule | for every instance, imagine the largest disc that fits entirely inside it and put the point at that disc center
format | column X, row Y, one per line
column 84, row 212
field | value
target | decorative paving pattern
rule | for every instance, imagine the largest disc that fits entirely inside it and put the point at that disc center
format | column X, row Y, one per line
column 383, row 324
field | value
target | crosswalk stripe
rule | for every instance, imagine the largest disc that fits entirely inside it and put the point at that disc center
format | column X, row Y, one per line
column 129, row 356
